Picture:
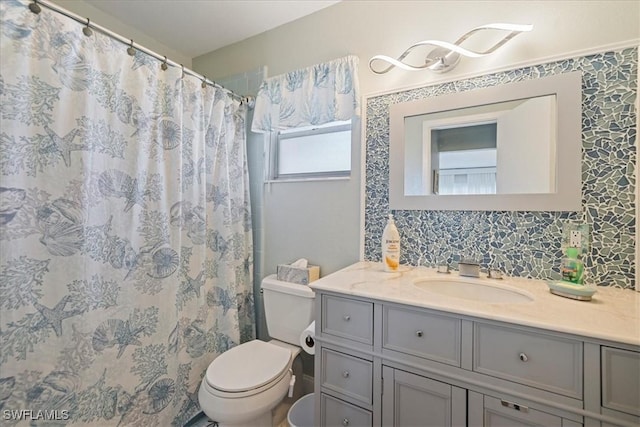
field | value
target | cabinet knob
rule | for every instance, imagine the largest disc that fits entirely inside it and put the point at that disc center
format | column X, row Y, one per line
column 346, row 317
column 523, row 357
column 345, row 374
column 345, row 422
column 419, row 334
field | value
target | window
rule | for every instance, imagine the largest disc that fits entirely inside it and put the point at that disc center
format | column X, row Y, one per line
column 466, row 172
column 319, row 152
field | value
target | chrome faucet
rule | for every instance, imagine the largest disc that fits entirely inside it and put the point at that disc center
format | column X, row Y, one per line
column 469, row 268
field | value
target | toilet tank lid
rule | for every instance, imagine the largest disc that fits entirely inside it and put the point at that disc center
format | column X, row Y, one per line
column 271, row 283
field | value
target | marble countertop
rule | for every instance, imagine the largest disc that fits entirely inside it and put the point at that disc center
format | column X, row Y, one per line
column 612, row 314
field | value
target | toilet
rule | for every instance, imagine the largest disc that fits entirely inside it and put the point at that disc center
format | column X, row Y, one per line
column 244, row 384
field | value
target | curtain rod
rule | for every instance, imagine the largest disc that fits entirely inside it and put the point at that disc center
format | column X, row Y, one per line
column 34, row 7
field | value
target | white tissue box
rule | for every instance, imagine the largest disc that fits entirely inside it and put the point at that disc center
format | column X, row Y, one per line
column 301, row 276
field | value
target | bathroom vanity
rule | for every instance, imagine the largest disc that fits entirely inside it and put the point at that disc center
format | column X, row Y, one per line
column 418, row 348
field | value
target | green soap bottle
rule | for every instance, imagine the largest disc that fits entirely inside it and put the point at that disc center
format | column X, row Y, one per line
column 572, row 267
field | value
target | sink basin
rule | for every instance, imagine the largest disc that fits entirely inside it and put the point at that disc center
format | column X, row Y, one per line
column 473, row 289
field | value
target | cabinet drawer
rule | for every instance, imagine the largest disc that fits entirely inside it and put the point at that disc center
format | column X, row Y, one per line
column 621, row 380
column 423, row 334
column 347, row 375
column 335, row 412
column 499, row 412
column 347, row 318
column 536, row 359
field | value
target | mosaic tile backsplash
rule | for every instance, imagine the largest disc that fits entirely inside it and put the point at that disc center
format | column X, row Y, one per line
column 527, row 244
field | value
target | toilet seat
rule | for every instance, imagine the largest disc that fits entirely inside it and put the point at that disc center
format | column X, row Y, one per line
column 248, row 369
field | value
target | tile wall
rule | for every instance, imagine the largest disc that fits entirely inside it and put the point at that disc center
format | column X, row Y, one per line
column 528, row 244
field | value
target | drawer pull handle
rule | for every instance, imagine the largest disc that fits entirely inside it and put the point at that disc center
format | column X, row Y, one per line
column 523, row 357
column 345, row 374
column 514, row 406
column 419, row 334
column 346, row 317
column 345, row 422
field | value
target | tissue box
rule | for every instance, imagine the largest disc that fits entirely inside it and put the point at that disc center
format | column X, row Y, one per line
column 302, row 276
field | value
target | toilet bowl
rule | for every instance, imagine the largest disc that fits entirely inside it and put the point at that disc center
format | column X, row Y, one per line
column 238, row 391
column 244, row 384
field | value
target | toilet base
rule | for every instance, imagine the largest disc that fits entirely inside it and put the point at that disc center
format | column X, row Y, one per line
column 264, row 420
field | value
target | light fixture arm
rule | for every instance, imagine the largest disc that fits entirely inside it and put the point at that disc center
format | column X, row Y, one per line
column 446, row 55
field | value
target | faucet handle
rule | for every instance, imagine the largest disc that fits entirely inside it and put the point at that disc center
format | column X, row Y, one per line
column 493, row 273
column 443, row 268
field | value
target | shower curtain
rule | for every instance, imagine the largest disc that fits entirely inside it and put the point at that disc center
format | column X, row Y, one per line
column 125, row 229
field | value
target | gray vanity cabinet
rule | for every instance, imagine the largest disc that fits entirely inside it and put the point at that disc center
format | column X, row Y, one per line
column 410, row 400
column 380, row 363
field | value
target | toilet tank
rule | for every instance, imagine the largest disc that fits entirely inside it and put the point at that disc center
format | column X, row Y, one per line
column 289, row 308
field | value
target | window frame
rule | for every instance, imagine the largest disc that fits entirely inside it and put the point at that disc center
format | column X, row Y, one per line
column 272, row 172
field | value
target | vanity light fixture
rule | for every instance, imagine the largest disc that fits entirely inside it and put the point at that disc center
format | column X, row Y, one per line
column 446, row 55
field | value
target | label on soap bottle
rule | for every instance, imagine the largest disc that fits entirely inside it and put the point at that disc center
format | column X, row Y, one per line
column 391, row 254
column 391, row 246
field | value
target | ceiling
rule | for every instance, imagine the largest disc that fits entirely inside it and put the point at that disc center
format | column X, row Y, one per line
column 196, row 27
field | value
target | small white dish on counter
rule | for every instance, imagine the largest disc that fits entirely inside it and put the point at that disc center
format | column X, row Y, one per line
column 571, row 290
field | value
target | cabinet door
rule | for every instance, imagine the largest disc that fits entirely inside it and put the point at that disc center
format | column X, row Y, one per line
column 412, row 400
column 621, row 380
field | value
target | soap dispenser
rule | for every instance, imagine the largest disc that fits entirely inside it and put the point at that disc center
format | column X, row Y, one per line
column 572, row 267
column 391, row 246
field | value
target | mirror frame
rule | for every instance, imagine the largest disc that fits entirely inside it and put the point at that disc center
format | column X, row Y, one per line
column 568, row 196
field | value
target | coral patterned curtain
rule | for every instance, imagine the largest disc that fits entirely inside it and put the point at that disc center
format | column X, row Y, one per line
column 324, row 93
column 125, row 228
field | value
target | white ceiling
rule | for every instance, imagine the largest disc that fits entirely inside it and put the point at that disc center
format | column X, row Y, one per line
column 196, row 27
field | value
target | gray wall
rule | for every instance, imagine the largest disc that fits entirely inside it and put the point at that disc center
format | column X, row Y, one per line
column 372, row 27
column 317, row 220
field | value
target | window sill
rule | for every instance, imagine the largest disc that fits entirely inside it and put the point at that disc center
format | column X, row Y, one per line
column 330, row 178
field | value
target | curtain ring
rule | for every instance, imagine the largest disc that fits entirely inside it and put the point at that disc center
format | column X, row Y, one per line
column 182, row 66
column 87, row 30
column 35, row 7
column 204, row 82
column 164, row 65
column 130, row 50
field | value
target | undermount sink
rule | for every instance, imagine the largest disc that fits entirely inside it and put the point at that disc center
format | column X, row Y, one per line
column 473, row 289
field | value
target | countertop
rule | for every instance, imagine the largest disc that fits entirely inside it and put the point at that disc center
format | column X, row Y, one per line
column 612, row 314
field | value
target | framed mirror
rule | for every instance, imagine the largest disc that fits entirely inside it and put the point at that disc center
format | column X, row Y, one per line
column 512, row 147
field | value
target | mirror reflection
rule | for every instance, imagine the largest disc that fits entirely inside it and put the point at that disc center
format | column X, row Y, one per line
column 499, row 148
column 512, row 146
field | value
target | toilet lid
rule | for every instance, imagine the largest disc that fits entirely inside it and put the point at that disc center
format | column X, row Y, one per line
column 247, row 366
